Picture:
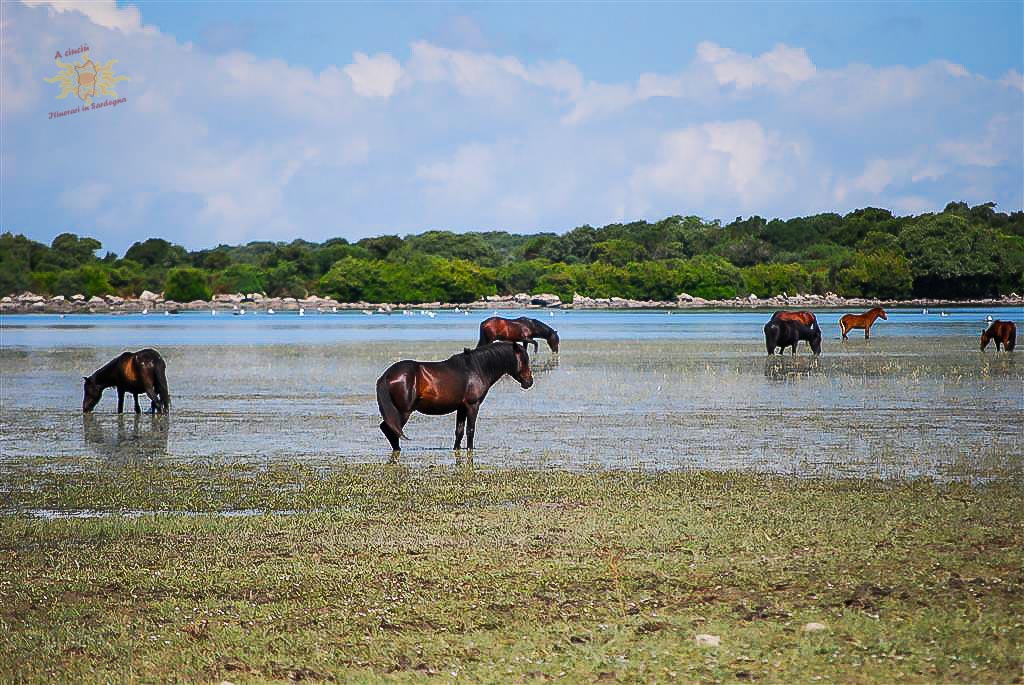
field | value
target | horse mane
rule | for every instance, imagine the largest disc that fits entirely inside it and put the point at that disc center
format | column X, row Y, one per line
column 543, row 330
column 493, row 357
column 875, row 309
column 112, row 364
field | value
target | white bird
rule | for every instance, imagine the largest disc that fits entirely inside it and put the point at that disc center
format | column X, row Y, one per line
column 988, row 318
column 145, row 310
column 241, row 311
column 943, row 314
column 924, row 311
column 302, row 311
column 270, row 310
column 367, row 312
column 167, row 313
column 334, row 310
column 62, row 316
column 213, row 312
column 430, row 314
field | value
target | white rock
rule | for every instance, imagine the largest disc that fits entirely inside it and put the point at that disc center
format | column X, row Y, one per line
column 814, row 627
column 96, row 300
column 684, row 297
column 55, row 298
column 78, row 297
column 705, row 640
column 753, row 297
column 148, row 296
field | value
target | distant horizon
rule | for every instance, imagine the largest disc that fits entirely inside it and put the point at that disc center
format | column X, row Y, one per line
column 559, row 232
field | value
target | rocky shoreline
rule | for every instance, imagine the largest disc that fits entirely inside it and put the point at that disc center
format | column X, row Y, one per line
column 239, row 303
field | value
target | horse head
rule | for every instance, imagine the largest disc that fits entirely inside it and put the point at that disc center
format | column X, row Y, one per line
column 553, row 341
column 522, row 372
column 92, row 393
column 881, row 313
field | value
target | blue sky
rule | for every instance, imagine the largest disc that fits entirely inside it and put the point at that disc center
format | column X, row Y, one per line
column 247, row 121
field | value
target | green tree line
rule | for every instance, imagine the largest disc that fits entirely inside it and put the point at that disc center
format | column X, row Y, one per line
column 960, row 252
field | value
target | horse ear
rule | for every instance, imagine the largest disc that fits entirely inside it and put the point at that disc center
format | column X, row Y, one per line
column 85, row 378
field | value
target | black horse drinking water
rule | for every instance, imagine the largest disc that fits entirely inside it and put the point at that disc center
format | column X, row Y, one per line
column 782, row 333
column 458, row 384
column 134, row 372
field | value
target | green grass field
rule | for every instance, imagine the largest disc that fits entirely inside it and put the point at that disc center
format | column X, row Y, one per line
column 463, row 574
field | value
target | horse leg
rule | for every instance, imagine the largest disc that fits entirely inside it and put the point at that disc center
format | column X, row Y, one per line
column 138, row 409
column 120, row 401
column 536, row 346
column 390, row 435
column 460, row 427
column 155, row 404
column 867, row 330
column 471, row 412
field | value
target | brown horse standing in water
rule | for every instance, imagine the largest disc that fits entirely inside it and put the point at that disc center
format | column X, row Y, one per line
column 850, row 321
column 522, row 330
column 1003, row 333
column 134, row 372
column 459, row 384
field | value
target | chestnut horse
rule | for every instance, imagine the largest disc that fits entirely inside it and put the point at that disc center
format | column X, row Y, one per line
column 1003, row 333
column 522, row 330
column 134, row 372
column 850, row 321
column 459, row 384
column 806, row 318
column 783, row 333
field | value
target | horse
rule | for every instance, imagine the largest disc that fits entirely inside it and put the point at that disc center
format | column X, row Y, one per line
column 522, row 330
column 804, row 317
column 782, row 333
column 134, row 372
column 459, row 384
column 1003, row 333
column 850, row 321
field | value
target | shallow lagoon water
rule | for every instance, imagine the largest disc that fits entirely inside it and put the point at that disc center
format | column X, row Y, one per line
column 629, row 390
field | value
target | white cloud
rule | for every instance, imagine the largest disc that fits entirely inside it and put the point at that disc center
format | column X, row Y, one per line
column 374, row 76
column 469, row 173
column 782, row 66
column 737, row 159
column 103, row 13
column 1013, row 79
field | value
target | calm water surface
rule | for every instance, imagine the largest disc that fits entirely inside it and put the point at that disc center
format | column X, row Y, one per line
column 630, row 389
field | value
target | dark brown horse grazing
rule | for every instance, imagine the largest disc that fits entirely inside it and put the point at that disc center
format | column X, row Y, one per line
column 1003, row 333
column 134, row 372
column 459, row 384
column 850, row 321
column 803, row 317
column 522, row 330
column 782, row 334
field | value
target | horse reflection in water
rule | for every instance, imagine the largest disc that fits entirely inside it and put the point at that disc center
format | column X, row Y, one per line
column 126, row 438
column 778, row 368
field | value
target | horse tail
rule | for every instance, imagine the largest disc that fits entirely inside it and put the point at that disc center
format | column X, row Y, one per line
column 388, row 410
column 160, row 381
column 1011, row 340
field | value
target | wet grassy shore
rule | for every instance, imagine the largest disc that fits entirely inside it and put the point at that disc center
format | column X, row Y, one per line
column 254, row 573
